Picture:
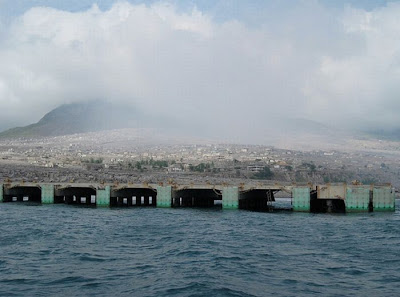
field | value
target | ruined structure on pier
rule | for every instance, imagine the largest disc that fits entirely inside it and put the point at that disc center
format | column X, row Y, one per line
column 304, row 198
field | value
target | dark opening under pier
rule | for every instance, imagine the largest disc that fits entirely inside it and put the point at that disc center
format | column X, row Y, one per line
column 75, row 195
column 196, row 198
column 22, row 194
column 257, row 199
column 131, row 196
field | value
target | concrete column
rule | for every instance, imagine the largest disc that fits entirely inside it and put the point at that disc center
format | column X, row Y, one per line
column 47, row 194
column 164, row 195
column 230, row 198
column 301, row 199
column 357, row 199
column 103, row 196
column 1, row 192
column 383, row 199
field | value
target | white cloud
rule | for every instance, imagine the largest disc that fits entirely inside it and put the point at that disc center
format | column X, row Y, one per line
column 319, row 63
column 362, row 87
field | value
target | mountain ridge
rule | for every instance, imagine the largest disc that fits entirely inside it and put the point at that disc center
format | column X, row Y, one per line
column 77, row 118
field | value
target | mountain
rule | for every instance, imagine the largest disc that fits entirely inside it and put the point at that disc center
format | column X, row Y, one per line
column 384, row 134
column 80, row 118
column 96, row 116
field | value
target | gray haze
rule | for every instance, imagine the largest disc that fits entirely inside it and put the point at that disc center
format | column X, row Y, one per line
column 339, row 67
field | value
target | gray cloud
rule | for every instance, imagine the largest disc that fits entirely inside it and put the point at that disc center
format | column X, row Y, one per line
column 336, row 66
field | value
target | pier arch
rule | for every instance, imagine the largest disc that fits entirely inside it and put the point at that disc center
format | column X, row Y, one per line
column 20, row 193
column 133, row 197
column 257, row 199
column 197, row 197
column 79, row 195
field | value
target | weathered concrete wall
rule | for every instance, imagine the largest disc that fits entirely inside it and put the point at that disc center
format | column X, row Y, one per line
column 301, row 199
column 164, row 195
column 230, row 198
column 47, row 193
column 383, row 199
column 103, row 196
column 331, row 191
column 357, row 198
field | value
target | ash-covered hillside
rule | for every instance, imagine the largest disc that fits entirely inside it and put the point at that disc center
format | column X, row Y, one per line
column 80, row 118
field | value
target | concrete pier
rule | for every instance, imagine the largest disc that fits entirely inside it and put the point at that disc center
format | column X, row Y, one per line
column 304, row 198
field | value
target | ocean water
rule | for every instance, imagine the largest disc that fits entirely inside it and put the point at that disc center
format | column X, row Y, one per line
column 61, row 250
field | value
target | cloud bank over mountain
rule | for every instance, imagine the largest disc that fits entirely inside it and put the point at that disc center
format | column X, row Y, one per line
column 337, row 66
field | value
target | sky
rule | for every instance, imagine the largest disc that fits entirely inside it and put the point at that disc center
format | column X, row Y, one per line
column 227, row 64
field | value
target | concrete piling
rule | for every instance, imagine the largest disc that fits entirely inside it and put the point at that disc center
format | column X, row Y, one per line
column 358, row 199
column 164, row 196
column 383, row 199
column 47, row 193
column 103, row 196
column 301, row 199
column 230, row 198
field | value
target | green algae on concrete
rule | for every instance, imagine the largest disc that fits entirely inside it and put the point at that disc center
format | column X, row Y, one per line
column 103, row 196
column 164, row 195
column 301, row 199
column 383, row 199
column 357, row 199
column 230, row 198
column 47, row 193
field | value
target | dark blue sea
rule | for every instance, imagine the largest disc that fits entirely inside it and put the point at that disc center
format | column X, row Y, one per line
column 60, row 250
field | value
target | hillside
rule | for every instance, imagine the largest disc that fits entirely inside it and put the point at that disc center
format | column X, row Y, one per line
column 78, row 118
